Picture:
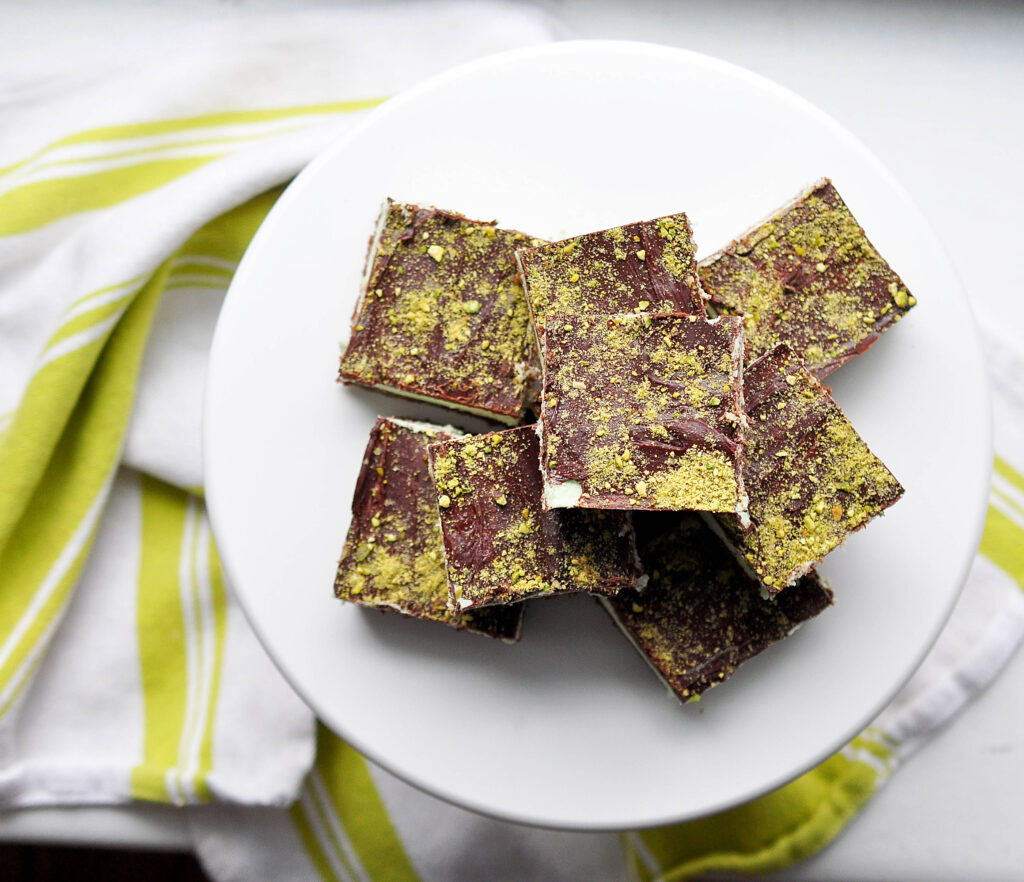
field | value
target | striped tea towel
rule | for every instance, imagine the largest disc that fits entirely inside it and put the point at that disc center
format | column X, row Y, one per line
column 131, row 181
column 354, row 821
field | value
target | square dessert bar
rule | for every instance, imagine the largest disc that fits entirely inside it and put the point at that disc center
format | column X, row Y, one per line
column 641, row 267
column 501, row 546
column 442, row 316
column 809, row 277
column 701, row 615
column 811, row 478
column 393, row 558
column 643, row 411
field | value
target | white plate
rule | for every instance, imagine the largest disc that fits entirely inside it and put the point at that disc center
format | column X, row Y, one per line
column 570, row 728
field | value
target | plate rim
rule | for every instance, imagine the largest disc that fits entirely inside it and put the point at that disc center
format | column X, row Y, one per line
column 392, row 105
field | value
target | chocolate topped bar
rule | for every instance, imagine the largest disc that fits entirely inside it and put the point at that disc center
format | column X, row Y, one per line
column 701, row 615
column 641, row 267
column 442, row 316
column 393, row 558
column 499, row 544
column 811, row 478
column 809, row 277
column 643, row 411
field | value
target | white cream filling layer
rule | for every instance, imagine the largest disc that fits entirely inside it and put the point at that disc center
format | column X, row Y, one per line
column 425, row 428
column 565, row 495
column 451, row 405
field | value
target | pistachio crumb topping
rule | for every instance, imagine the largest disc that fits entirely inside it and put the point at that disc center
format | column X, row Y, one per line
column 700, row 616
column 808, row 277
column 632, row 412
column 599, row 273
column 514, row 549
column 393, row 557
column 811, row 478
column 443, row 315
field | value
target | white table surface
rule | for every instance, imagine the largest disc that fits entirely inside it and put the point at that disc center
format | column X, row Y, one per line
column 936, row 89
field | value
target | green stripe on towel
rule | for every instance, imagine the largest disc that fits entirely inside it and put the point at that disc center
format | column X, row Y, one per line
column 44, row 198
column 182, row 618
column 161, row 637
column 767, row 834
column 1007, row 471
column 311, row 836
column 219, row 602
column 1003, row 544
column 57, row 459
column 127, row 131
column 342, row 819
column 36, row 204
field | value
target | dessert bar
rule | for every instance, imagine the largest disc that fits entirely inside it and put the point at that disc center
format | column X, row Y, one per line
column 701, row 615
column 640, row 267
column 809, row 277
column 500, row 546
column 393, row 557
column 811, row 478
column 643, row 411
column 442, row 316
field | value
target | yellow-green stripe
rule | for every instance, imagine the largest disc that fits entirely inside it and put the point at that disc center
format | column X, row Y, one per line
column 219, row 600
column 361, row 811
column 186, row 268
column 26, row 677
column 1002, row 542
column 18, row 664
column 157, row 148
column 86, row 320
column 161, row 635
column 99, row 291
column 323, row 812
column 769, row 833
column 1007, row 471
column 35, row 205
column 55, row 476
column 1007, row 500
column 182, row 124
column 51, row 397
column 312, row 845
column 229, row 236
column 636, row 869
column 201, row 286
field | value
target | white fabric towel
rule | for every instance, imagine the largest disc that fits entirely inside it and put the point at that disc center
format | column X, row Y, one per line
column 207, row 119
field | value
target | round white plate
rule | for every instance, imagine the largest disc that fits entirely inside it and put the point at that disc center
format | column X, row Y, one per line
column 569, row 728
